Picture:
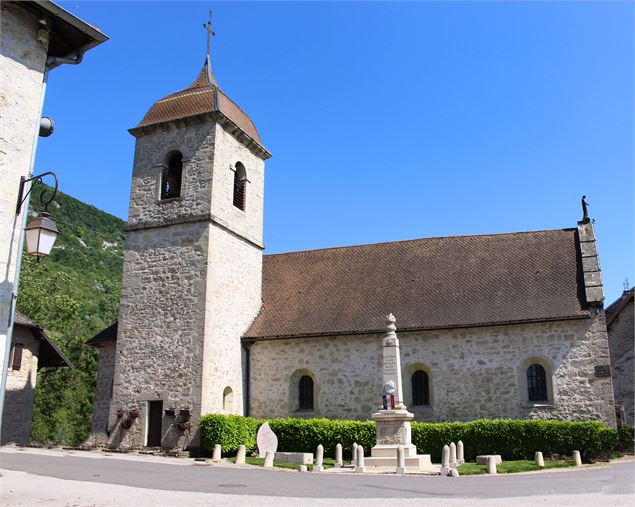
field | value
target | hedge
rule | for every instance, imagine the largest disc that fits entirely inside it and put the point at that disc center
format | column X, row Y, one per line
column 512, row 439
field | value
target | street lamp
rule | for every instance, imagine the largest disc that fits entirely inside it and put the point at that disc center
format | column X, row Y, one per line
column 41, row 232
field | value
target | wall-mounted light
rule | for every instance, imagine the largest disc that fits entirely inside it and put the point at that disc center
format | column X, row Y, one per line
column 47, row 127
column 41, row 231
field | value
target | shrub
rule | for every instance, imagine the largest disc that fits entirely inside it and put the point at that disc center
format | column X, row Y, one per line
column 625, row 438
column 512, row 439
column 230, row 431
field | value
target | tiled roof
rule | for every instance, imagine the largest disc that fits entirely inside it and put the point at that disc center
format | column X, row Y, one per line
column 460, row 281
column 49, row 353
column 202, row 96
column 617, row 306
column 106, row 335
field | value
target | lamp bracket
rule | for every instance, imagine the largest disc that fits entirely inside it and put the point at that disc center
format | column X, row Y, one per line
column 36, row 179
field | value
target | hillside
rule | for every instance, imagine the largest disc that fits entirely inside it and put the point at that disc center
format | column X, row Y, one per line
column 73, row 294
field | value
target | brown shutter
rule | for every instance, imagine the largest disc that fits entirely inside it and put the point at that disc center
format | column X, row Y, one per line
column 16, row 356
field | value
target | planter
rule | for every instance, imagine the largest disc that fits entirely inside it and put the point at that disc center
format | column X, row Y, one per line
column 170, row 412
column 134, row 413
column 184, row 426
column 120, row 413
column 186, row 412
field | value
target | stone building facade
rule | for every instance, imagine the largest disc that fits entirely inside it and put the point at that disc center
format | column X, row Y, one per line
column 504, row 325
column 36, row 37
column 620, row 324
column 31, row 350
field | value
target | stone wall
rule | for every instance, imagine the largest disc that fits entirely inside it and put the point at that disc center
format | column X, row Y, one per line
column 103, row 394
column 18, row 402
column 474, row 373
column 623, row 361
column 22, row 60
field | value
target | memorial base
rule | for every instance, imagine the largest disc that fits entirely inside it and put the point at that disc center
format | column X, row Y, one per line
column 393, row 431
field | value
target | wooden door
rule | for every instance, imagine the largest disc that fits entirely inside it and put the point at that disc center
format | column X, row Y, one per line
column 155, row 418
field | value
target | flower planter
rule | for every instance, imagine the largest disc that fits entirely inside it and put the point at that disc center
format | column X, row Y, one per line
column 184, row 426
column 186, row 412
column 170, row 412
column 135, row 413
column 120, row 413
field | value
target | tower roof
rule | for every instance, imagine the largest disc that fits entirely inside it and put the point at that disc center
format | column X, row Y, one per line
column 202, row 96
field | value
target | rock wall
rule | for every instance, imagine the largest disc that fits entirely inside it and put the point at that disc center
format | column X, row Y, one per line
column 18, row 401
column 623, row 361
column 474, row 373
column 103, row 394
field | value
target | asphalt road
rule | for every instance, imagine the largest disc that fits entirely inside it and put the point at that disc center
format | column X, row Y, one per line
column 184, row 475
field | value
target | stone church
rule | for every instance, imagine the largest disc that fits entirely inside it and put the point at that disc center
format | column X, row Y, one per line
column 501, row 325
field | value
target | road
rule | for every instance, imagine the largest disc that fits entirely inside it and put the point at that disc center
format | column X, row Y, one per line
column 79, row 478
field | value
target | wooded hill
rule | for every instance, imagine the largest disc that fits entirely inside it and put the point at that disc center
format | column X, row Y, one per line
column 73, row 294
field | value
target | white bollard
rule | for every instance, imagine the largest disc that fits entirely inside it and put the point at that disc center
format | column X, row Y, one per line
column 359, row 467
column 453, row 463
column 445, row 460
column 539, row 460
column 303, row 468
column 354, row 454
column 216, row 455
column 577, row 459
column 240, row 455
column 401, row 461
column 319, row 459
column 268, row 460
column 338, row 456
column 491, row 465
column 460, row 456
column 454, row 472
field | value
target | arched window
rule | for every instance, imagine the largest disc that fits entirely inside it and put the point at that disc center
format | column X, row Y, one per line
column 420, row 388
column 171, row 177
column 240, row 186
column 228, row 399
column 306, row 393
column 536, row 383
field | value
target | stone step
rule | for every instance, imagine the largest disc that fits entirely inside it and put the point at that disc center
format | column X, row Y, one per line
column 389, row 451
column 420, row 462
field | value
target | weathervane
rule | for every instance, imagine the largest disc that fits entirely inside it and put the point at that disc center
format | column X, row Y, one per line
column 210, row 32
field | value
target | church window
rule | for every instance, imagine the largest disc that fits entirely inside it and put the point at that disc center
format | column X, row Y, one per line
column 16, row 356
column 240, row 186
column 420, row 388
column 306, row 393
column 536, row 383
column 228, row 399
column 171, row 176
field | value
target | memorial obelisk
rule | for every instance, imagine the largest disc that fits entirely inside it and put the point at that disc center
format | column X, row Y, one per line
column 393, row 418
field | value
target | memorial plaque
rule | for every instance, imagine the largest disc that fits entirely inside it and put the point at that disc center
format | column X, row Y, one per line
column 603, row 371
column 266, row 440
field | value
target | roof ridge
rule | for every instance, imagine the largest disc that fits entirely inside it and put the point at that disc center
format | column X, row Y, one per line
column 342, row 247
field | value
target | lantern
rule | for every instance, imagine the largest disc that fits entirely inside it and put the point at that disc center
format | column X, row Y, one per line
column 40, row 235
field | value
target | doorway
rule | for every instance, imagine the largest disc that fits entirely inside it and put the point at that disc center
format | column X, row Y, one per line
column 155, row 418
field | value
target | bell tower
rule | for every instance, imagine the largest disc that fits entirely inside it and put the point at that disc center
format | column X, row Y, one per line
column 192, row 265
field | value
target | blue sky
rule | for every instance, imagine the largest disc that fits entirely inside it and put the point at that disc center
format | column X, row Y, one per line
column 386, row 121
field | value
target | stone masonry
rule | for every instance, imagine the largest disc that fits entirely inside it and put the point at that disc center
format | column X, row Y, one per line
column 474, row 372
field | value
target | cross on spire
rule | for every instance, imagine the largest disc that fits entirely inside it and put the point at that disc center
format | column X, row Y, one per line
column 210, row 32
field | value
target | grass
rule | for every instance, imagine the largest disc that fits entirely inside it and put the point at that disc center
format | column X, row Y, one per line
column 252, row 460
column 510, row 467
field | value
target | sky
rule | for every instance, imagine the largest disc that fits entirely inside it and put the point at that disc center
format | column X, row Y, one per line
column 386, row 121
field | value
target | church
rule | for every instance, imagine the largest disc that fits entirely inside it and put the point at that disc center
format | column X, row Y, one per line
column 491, row 326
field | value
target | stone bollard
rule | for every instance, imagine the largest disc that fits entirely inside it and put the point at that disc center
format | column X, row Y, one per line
column 268, row 460
column 359, row 466
column 319, row 459
column 338, row 456
column 454, row 472
column 577, row 459
column 453, row 463
column 240, row 455
column 445, row 460
column 401, row 461
column 216, row 455
column 491, row 465
column 539, row 460
column 354, row 454
column 460, row 456
column 303, row 468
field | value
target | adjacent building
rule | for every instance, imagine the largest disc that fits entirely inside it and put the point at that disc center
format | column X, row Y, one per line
column 36, row 37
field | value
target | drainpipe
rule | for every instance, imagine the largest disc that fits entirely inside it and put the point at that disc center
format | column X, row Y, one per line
column 247, row 347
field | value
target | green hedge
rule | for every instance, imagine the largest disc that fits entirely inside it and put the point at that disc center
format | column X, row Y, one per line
column 513, row 439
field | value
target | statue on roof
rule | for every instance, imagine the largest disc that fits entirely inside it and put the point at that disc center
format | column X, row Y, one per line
column 585, row 211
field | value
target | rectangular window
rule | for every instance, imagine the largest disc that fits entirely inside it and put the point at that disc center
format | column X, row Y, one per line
column 16, row 356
